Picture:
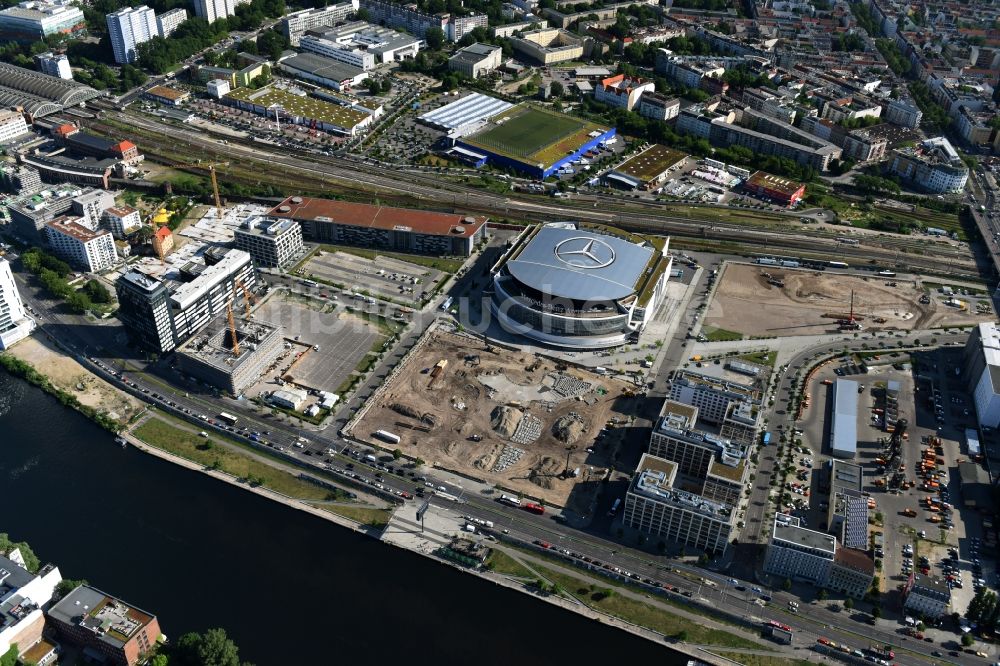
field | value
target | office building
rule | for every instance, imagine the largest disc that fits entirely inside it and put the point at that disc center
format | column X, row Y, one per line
column 19, row 180
column 844, row 425
column 30, row 213
column 97, row 622
column 144, row 309
column 361, row 44
column 622, row 92
column 23, row 595
column 930, row 597
column 54, row 64
column 653, row 505
column 800, row 554
column 12, row 126
column 15, row 324
column 215, row 358
column 982, row 372
column 934, row 165
column 548, row 46
column 289, row 398
column 159, row 316
column 213, row 10
column 93, row 251
column 129, row 27
column 382, row 227
column 712, row 396
column 34, row 20
column 218, row 88
column 169, row 21
column 271, row 242
column 122, row 220
column 296, row 24
column 476, row 60
column 694, row 451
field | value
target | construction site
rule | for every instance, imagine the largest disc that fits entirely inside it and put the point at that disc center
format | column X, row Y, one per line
column 527, row 424
column 772, row 301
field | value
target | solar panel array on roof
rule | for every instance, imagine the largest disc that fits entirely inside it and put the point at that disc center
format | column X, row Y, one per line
column 466, row 111
column 856, row 528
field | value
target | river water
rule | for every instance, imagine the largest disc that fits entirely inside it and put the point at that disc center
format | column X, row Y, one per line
column 289, row 588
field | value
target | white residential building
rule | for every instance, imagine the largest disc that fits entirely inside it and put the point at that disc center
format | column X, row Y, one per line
column 23, row 595
column 271, row 242
column 122, row 220
column 54, row 64
column 167, row 22
column 934, row 165
column 15, row 324
column 12, row 126
column 129, row 27
column 93, row 251
column 212, row 10
column 982, row 372
column 91, row 204
column 622, row 92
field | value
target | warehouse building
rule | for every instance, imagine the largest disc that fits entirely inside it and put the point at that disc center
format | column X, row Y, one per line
column 465, row 115
column 324, row 71
column 299, row 109
column 844, row 425
column 647, row 170
column 272, row 243
column 382, row 227
column 776, row 188
column 215, row 358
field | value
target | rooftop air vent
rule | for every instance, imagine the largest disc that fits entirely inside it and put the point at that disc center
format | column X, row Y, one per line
column 458, row 230
column 284, row 209
column 296, row 200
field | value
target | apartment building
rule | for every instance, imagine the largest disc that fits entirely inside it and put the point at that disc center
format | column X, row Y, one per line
column 405, row 17
column 54, row 64
column 686, row 72
column 934, row 166
column 23, row 595
column 213, row 10
column 658, row 106
column 903, row 113
column 925, row 595
column 122, row 220
column 93, row 251
column 129, row 27
column 622, row 92
column 90, row 205
column 15, row 324
column 19, row 180
column 169, row 21
column 459, row 26
column 653, row 505
column 31, row 212
column 97, row 622
column 272, row 243
column 296, row 24
column 12, row 126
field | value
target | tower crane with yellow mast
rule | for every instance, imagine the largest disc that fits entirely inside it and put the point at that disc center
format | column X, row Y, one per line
column 210, row 167
column 248, row 298
column 232, row 328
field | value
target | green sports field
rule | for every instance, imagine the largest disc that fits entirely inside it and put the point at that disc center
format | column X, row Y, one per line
column 534, row 135
column 529, row 131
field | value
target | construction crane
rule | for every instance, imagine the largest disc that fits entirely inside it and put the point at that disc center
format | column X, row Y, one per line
column 232, row 328
column 210, row 167
column 248, row 298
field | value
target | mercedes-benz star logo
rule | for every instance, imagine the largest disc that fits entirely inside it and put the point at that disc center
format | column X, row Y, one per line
column 583, row 252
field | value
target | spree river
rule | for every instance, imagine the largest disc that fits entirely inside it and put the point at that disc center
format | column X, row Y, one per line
column 289, row 588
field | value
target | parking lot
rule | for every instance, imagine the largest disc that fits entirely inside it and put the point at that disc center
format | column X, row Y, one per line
column 914, row 490
column 381, row 277
column 337, row 341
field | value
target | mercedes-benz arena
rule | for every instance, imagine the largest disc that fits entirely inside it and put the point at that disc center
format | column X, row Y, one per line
column 581, row 287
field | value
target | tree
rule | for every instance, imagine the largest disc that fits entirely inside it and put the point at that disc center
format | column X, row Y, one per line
column 434, row 38
column 556, row 89
column 967, row 640
column 31, row 561
column 144, row 235
column 681, row 636
column 787, row 585
column 876, row 612
column 97, row 292
column 159, row 660
column 397, row 454
column 65, row 586
column 213, row 648
column 848, row 603
column 821, row 595
column 9, row 658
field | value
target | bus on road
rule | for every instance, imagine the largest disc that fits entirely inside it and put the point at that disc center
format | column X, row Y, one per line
column 510, row 501
column 227, row 418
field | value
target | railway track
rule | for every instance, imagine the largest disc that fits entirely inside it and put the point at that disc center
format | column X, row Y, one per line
column 428, row 189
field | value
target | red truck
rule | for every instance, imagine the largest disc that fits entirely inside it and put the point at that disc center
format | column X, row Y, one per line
column 534, row 508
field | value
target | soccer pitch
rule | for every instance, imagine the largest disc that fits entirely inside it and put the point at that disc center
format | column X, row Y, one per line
column 529, row 132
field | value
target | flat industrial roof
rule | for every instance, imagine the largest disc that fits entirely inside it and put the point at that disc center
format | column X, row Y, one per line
column 581, row 265
column 844, row 429
column 785, row 186
column 302, row 106
column 318, row 65
column 378, row 217
column 806, row 538
column 471, row 109
column 650, row 163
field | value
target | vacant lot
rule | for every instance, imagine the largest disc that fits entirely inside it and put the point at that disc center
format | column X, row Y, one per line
column 508, row 417
column 769, row 301
column 379, row 276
